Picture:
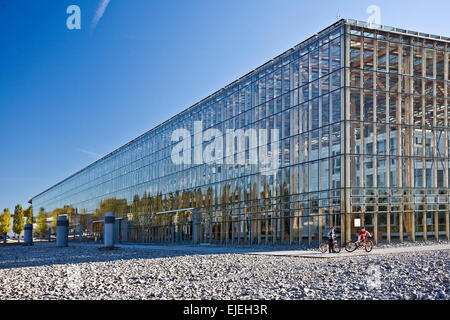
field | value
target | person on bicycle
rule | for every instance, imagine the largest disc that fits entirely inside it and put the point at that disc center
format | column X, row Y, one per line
column 331, row 239
column 363, row 234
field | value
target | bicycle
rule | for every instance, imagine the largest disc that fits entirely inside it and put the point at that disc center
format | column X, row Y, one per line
column 324, row 246
column 366, row 243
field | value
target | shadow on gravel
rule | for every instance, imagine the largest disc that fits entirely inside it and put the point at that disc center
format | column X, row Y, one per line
column 46, row 254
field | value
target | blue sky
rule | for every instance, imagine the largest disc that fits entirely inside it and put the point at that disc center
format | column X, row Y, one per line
column 69, row 97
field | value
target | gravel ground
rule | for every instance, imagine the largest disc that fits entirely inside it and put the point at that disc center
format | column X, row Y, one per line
column 85, row 272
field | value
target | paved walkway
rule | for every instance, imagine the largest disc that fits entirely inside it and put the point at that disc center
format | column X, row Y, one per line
column 358, row 252
column 212, row 249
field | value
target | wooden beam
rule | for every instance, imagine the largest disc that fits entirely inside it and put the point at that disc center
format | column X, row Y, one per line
column 388, row 225
column 424, row 224
column 436, row 225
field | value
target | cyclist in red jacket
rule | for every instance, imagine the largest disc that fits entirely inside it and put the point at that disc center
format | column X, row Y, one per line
column 363, row 234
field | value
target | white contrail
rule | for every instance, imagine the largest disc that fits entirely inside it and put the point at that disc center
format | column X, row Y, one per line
column 92, row 154
column 99, row 13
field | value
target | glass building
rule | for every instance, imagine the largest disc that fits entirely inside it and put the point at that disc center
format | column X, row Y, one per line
column 362, row 113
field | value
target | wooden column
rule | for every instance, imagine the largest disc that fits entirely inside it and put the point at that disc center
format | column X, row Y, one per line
column 388, row 225
column 320, row 224
column 436, row 225
column 424, row 223
column 400, row 225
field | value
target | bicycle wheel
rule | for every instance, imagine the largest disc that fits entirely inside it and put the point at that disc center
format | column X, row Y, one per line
column 350, row 247
column 369, row 245
column 323, row 247
column 337, row 247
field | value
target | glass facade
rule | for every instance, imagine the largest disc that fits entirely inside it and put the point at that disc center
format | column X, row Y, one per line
column 363, row 132
column 398, row 131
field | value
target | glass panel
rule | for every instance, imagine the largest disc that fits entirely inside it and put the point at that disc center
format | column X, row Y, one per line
column 368, row 80
column 393, row 108
column 314, row 64
column 336, row 106
column 368, row 139
column 381, row 172
column 335, row 54
column 393, row 172
column 382, row 53
column 325, row 110
column 381, row 107
column 368, row 106
column 324, row 60
column 381, row 139
column 314, row 176
column 381, row 81
column 355, row 52
column 368, row 54
column 428, row 115
column 418, row 173
column 355, row 138
column 304, row 70
column 355, row 171
column 417, row 62
column 355, row 105
column 325, row 142
column 355, row 78
column 324, row 175
column 314, row 145
column 406, row 60
column 417, row 111
column 393, row 58
column 314, row 114
column 430, row 63
column 368, row 172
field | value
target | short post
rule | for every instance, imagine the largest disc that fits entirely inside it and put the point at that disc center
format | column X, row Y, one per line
column 5, row 236
column 28, row 235
column 108, row 235
column 195, row 227
column 62, row 231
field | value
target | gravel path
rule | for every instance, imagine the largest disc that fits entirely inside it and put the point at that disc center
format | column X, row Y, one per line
column 85, row 272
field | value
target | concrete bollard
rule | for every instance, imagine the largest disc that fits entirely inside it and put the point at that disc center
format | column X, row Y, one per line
column 108, row 235
column 62, row 231
column 28, row 235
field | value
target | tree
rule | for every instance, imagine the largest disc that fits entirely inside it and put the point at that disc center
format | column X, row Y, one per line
column 5, row 222
column 28, row 213
column 19, row 221
column 41, row 222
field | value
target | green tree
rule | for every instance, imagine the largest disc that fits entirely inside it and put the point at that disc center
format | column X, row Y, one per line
column 41, row 222
column 28, row 213
column 5, row 222
column 19, row 221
